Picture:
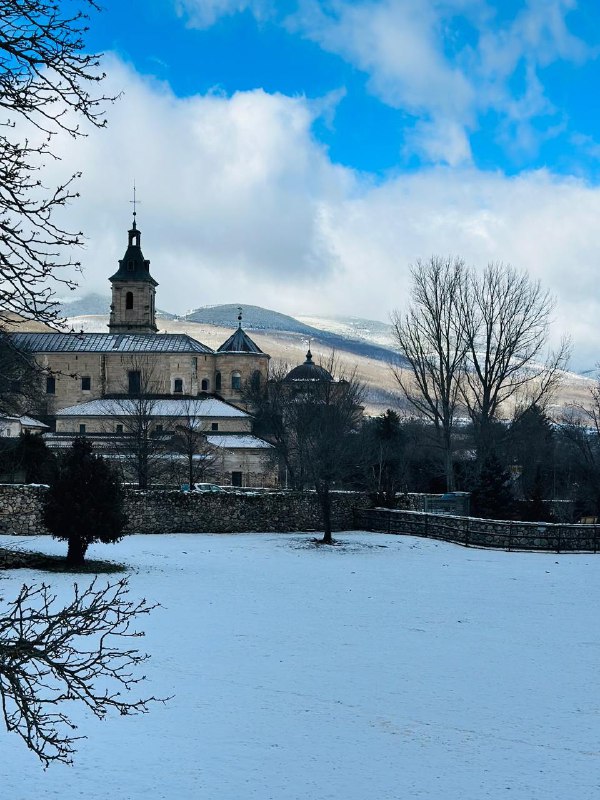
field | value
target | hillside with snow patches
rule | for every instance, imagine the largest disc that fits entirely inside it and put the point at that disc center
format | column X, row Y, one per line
column 364, row 346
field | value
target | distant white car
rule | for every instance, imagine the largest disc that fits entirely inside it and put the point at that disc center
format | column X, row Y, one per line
column 206, row 487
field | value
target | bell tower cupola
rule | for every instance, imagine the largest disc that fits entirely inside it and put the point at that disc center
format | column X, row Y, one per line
column 132, row 308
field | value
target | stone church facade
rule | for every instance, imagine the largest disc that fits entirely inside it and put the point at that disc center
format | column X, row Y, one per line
column 83, row 372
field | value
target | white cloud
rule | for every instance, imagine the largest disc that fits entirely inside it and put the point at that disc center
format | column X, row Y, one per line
column 204, row 13
column 241, row 205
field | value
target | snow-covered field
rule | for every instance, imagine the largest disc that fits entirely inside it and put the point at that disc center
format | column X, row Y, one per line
column 390, row 668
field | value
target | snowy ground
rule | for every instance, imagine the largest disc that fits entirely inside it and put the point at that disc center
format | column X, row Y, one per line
column 394, row 668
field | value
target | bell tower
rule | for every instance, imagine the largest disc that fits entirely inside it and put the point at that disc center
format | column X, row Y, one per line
column 132, row 308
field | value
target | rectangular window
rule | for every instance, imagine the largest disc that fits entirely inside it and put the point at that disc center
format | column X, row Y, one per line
column 50, row 384
column 119, row 428
column 178, row 386
column 135, row 382
column 82, row 428
column 214, row 426
column 86, row 383
column 159, row 428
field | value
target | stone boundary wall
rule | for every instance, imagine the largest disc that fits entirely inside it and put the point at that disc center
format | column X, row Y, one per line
column 474, row 532
column 179, row 512
column 21, row 509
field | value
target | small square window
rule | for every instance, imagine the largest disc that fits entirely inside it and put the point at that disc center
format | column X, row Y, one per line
column 86, row 383
column 214, row 426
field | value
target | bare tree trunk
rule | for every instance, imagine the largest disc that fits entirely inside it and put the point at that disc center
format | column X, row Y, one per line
column 325, row 501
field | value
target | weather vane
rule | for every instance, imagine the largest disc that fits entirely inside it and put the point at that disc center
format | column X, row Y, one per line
column 135, row 202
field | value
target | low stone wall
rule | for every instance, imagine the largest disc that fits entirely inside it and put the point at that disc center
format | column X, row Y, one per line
column 21, row 509
column 471, row 531
column 178, row 512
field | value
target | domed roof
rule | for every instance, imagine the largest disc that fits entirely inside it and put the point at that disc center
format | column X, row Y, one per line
column 308, row 372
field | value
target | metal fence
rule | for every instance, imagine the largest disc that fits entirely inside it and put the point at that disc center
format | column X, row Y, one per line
column 473, row 532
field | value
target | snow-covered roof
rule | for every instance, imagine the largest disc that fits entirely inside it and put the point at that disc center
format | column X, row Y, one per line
column 177, row 407
column 26, row 422
column 108, row 343
column 30, row 422
column 236, row 441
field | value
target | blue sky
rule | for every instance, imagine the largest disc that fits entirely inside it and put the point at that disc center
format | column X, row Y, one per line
column 300, row 155
column 549, row 72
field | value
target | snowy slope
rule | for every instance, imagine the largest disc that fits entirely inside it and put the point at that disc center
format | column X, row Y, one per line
column 391, row 669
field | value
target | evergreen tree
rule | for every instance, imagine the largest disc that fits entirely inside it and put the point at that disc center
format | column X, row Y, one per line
column 34, row 459
column 85, row 502
column 492, row 496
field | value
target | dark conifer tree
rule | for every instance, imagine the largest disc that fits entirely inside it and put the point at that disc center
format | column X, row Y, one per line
column 492, row 496
column 85, row 503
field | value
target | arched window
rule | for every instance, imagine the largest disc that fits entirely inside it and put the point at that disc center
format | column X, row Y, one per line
column 236, row 380
column 205, row 384
column 129, row 300
column 218, row 382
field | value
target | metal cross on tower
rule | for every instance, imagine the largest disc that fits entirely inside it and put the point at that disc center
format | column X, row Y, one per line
column 135, row 202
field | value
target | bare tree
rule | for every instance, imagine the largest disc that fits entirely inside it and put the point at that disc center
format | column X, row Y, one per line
column 325, row 414
column 310, row 421
column 139, row 446
column 430, row 339
column 46, row 82
column 20, row 379
column 52, row 655
column 191, row 442
column 505, row 318
column 269, row 403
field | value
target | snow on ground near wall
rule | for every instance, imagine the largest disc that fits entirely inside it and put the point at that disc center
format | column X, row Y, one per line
column 393, row 668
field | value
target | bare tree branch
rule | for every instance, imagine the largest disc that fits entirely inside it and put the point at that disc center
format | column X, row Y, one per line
column 46, row 83
column 506, row 318
column 51, row 656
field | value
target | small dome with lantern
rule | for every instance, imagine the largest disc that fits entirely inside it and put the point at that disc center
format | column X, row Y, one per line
column 309, row 371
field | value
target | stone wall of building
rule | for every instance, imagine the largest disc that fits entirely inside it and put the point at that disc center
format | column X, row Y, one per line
column 179, row 512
